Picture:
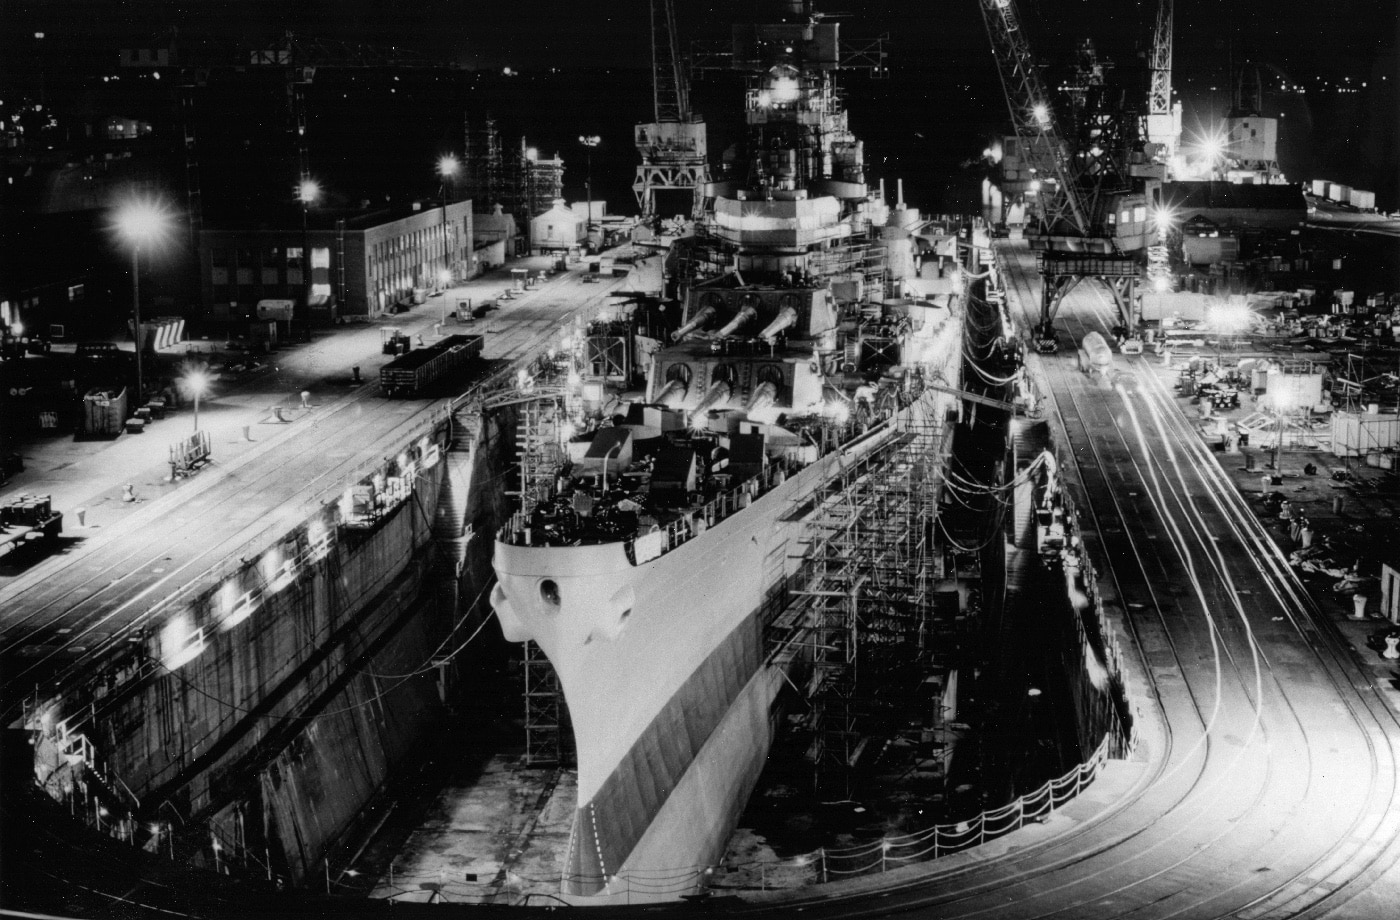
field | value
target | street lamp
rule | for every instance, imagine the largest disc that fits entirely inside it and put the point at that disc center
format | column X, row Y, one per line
column 447, row 168
column 1280, row 406
column 141, row 222
column 197, row 382
column 308, row 192
column 589, row 141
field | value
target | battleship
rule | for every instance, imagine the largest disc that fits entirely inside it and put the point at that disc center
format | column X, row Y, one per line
column 648, row 567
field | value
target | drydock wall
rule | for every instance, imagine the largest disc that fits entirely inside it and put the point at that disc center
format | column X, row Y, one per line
column 258, row 713
column 255, row 713
column 278, row 730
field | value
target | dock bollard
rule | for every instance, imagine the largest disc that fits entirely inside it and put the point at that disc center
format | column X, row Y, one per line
column 1358, row 604
column 355, row 374
column 247, row 432
column 306, row 399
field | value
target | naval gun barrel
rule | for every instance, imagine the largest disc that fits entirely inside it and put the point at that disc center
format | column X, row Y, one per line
column 719, row 393
column 763, row 396
column 696, row 321
column 786, row 317
column 672, row 393
column 743, row 316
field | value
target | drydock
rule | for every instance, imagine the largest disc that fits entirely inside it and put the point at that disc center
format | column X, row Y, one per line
column 703, row 527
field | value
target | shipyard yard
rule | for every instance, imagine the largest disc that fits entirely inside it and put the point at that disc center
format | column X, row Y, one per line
column 440, row 471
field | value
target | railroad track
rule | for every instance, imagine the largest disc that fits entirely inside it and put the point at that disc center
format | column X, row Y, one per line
column 1270, row 787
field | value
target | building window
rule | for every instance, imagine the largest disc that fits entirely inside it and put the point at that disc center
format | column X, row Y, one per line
column 75, row 293
column 219, row 257
column 320, row 257
column 247, row 258
column 294, row 257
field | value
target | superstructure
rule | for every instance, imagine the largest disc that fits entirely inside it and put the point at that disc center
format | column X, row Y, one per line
column 647, row 558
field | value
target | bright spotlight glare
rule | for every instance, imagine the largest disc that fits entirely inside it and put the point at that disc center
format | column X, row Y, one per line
column 308, row 191
column 1041, row 111
column 785, row 89
column 1231, row 317
column 143, row 221
column 448, row 165
column 197, row 382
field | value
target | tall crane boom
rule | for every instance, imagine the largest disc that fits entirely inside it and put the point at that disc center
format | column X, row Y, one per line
column 1159, row 102
column 673, row 149
column 1032, row 118
column 670, row 89
column 1163, row 121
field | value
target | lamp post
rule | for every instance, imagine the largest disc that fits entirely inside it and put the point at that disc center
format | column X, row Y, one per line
column 589, row 141
column 198, row 384
column 308, row 191
column 140, row 222
column 1280, row 405
column 447, row 168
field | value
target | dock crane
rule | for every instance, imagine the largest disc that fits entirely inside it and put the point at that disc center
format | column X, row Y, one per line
column 673, row 148
column 1163, row 126
column 1091, row 191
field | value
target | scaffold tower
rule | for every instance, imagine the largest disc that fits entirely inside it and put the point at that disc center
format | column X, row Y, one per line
column 870, row 571
column 538, row 440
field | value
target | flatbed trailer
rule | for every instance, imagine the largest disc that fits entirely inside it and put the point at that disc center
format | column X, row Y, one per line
column 408, row 374
column 26, row 519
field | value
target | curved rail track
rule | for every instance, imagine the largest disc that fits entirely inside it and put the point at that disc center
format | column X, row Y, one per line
column 1266, row 782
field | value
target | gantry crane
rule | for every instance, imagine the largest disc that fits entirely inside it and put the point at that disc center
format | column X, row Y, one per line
column 674, row 154
column 1089, row 192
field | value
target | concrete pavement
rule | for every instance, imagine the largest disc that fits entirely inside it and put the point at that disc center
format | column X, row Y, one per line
column 86, row 478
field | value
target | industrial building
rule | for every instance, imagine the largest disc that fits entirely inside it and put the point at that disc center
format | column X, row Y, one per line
column 360, row 265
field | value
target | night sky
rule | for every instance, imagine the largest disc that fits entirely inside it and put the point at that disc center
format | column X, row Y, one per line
column 1286, row 34
column 1350, row 137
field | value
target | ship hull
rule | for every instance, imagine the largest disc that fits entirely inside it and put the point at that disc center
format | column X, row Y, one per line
column 662, row 666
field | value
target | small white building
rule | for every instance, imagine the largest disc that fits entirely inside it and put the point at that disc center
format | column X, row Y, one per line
column 558, row 228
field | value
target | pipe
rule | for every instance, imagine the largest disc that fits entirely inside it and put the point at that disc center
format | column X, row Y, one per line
column 786, row 317
column 696, row 322
column 743, row 316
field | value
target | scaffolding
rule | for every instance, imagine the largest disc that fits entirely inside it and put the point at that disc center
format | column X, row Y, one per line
column 538, row 439
column 870, row 571
column 545, row 737
column 859, row 257
column 522, row 182
column 485, row 165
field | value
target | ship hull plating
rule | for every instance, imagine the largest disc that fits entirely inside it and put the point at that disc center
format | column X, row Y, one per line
column 663, row 667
